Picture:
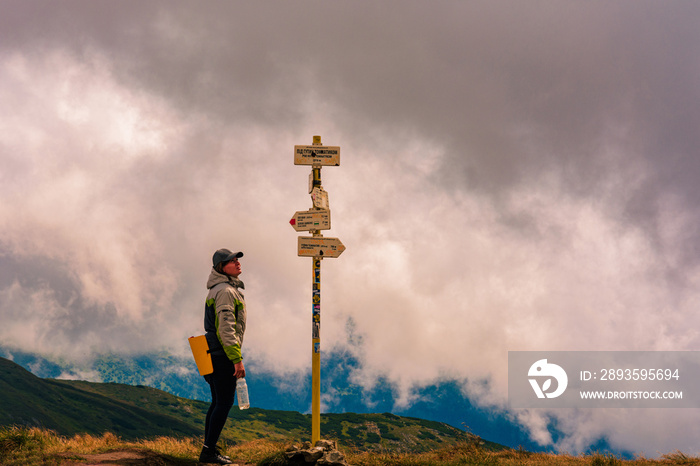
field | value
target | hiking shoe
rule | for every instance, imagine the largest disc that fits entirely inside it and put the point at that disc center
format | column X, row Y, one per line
column 218, row 452
column 212, row 455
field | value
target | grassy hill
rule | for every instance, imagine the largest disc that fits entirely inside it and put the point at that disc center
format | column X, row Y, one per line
column 133, row 412
column 68, row 409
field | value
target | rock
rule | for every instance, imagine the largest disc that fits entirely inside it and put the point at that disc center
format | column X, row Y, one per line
column 291, row 452
column 333, row 458
column 309, row 455
column 323, row 453
column 312, row 455
column 327, row 445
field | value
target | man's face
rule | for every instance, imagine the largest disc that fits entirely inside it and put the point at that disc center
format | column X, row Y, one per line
column 232, row 268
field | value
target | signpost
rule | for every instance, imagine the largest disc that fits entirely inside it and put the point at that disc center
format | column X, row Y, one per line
column 314, row 220
column 319, row 197
column 308, row 220
column 318, row 246
column 316, row 155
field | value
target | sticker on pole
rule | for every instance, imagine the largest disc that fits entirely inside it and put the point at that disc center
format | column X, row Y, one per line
column 308, row 220
column 313, row 246
column 317, row 155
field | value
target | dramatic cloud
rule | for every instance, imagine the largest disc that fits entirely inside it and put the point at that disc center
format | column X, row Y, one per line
column 514, row 176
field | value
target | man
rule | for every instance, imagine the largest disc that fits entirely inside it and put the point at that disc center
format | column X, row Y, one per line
column 224, row 324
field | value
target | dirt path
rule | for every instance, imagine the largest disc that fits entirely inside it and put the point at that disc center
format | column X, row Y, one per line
column 131, row 458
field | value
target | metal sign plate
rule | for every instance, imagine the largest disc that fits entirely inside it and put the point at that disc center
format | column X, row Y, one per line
column 319, row 197
column 317, row 155
column 312, row 246
column 308, row 220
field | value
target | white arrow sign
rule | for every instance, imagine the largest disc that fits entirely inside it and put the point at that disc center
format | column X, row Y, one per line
column 312, row 246
column 316, row 155
column 307, row 220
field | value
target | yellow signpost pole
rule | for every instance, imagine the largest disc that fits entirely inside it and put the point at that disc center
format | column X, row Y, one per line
column 316, row 355
column 316, row 326
column 316, row 247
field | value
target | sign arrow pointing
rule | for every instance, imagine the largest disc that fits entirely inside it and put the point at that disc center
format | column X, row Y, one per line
column 310, row 220
column 313, row 246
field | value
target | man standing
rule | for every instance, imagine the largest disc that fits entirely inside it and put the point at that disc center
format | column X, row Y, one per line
column 224, row 324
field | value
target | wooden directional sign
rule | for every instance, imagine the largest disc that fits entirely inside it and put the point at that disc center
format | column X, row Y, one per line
column 316, row 155
column 308, row 220
column 312, row 246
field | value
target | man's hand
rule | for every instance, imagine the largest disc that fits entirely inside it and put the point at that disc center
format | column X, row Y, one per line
column 239, row 372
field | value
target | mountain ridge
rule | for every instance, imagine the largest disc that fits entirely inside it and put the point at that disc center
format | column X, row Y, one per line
column 443, row 401
column 72, row 407
column 56, row 405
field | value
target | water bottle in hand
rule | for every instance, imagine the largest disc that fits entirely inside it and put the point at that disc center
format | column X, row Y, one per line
column 242, row 391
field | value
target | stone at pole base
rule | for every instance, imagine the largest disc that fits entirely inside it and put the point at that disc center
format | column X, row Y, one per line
column 323, row 453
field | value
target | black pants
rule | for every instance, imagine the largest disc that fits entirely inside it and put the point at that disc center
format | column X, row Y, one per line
column 223, row 388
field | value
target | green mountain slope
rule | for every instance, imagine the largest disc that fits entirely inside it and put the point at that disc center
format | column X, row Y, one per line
column 65, row 408
column 131, row 412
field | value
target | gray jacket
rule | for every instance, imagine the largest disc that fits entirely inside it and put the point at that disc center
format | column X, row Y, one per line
column 225, row 315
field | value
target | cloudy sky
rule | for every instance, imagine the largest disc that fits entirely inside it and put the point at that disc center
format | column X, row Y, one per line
column 514, row 176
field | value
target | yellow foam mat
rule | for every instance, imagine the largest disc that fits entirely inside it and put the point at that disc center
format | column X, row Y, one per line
column 200, row 347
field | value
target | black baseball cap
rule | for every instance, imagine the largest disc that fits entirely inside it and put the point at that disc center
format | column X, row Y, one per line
column 225, row 255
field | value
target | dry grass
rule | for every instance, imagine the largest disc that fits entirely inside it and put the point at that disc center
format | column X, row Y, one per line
column 84, row 443
column 465, row 455
column 31, row 446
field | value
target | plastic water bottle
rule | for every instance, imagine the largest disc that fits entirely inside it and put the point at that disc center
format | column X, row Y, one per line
column 242, row 391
